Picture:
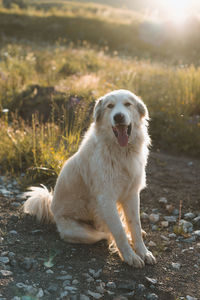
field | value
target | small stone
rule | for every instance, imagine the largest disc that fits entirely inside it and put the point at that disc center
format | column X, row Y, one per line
column 144, row 216
column 152, row 296
column 190, row 239
column 176, row 266
column 75, row 282
column 5, row 273
column 141, row 288
column 172, row 235
column 190, row 298
column 66, row 283
column 95, row 274
column 154, row 218
column 185, row 225
column 154, row 227
column 4, row 260
column 52, row 288
column 175, row 212
column 11, row 254
column 95, row 295
column 127, row 285
column 40, row 293
column 101, row 288
column 197, row 221
column 64, row 277
column 63, row 294
column 163, row 200
column 27, row 263
column 189, row 216
column 16, row 204
column 49, row 271
column 16, row 298
column 196, row 233
column 111, row 285
column 84, row 297
column 164, row 224
column 151, row 280
column 151, row 244
column 120, row 298
column 14, row 232
column 166, row 239
column 169, row 208
column 70, row 288
column 170, row 219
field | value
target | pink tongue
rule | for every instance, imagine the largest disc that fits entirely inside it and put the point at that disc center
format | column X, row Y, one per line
column 122, row 136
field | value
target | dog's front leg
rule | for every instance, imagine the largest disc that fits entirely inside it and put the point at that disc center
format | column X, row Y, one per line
column 131, row 208
column 108, row 212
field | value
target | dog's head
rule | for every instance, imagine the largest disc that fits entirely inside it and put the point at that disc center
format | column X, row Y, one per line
column 120, row 113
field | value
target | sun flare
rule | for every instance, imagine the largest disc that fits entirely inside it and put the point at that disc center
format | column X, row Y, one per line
column 177, row 11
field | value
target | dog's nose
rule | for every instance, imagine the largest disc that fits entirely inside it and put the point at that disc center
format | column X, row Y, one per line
column 119, row 118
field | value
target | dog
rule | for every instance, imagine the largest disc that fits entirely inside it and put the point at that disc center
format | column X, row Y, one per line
column 107, row 172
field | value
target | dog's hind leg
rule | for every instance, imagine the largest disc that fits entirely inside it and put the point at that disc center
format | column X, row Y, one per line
column 77, row 232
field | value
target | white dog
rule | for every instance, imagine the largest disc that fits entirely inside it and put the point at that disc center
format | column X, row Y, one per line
column 108, row 170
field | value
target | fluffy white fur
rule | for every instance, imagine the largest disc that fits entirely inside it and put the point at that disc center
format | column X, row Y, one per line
column 103, row 175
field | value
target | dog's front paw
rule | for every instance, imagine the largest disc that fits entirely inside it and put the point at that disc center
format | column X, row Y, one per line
column 146, row 255
column 132, row 259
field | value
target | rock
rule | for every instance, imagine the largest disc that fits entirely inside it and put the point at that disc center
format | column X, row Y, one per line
column 63, row 294
column 95, row 295
column 170, row 219
column 169, row 208
column 40, row 293
column 144, row 216
column 64, row 277
column 190, row 239
column 141, row 288
column 66, row 283
column 4, row 259
column 84, row 297
column 52, row 288
column 196, row 221
column 11, row 254
column 111, row 285
column 152, row 296
column 95, row 274
column 190, row 298
column 49, row 271
column 75, row 282
column 185, row 225
column 27, row 263
column 154, row 218
column 189, row 216
column 16, row 204
column 175, row 212
column 163, row 200
column 165, row 224
column 120, row 298
column 5, row 273
column 172, row 235
column 166, row 239
column 101, row 288
column 70, row 288
column 196, row 233
column 176, row 266
column 154, row 227
column 127, row 285
column 14, row 232
column 151, row 244
column 16, row 298
column 151, row 280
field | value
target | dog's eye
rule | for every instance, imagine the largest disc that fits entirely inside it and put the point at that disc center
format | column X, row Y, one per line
column 127, row 104
column 110, row 105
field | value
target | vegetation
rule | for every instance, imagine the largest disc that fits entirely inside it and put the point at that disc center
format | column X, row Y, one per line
column 54, row 63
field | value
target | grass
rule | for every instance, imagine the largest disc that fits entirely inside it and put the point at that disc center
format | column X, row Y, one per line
column 62, row 79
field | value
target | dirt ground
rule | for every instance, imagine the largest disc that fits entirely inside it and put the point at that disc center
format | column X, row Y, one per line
column 174, row 178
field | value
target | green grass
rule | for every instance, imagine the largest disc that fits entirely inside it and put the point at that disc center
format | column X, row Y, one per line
column 50, row 85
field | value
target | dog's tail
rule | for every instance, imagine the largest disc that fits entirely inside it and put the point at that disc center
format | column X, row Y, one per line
column 38, row 204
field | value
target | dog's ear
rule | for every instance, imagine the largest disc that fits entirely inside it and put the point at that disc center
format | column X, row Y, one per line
column 142, row 109
column 98, row 110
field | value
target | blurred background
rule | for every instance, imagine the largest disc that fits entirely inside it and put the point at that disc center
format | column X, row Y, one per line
column 58, row 57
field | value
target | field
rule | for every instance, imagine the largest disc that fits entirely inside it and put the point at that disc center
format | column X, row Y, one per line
column 58, row 57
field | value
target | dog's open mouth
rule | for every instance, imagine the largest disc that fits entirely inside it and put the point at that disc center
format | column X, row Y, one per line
column 122, row 133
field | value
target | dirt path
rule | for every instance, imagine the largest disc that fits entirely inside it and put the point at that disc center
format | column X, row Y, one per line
column 85, row 269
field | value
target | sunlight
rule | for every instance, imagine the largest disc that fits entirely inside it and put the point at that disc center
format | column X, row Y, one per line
column 177, row 10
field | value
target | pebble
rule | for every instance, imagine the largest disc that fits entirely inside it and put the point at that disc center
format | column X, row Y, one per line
column 52, row 288
column 154, row 218
column 188, row 297
column 120, row 298
column 95, row 295
column 13, row 232
column 151, row 244
column 186, row 225
column 64, row 277
column 190, row 239
column 95, row 274
column 189, row 216
column 101, row 288
column 16, row 204
column 196, row 233
column 165, row 224
column 70, row 288
column 144, row 216
column 49, row 271
column 151, row 280
column 152, row 296
column 141, row 288
column 4, row 260
column 127, row 285
column 176, row 266
column 164, row 238
column 169, row 208
column 170, row 219
column 175, row 212
column 163, row 200
column 197, row 221
column 40, row 293
column 63, row 294
column 154, row 227
column 84, row 297
column 111, row 285
column 75, row 282
column 172, row 235
column 27, row 263
column 5, row 273
column 66, row 283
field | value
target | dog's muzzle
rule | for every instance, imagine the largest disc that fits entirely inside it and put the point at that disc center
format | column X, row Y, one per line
column 122, row 133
